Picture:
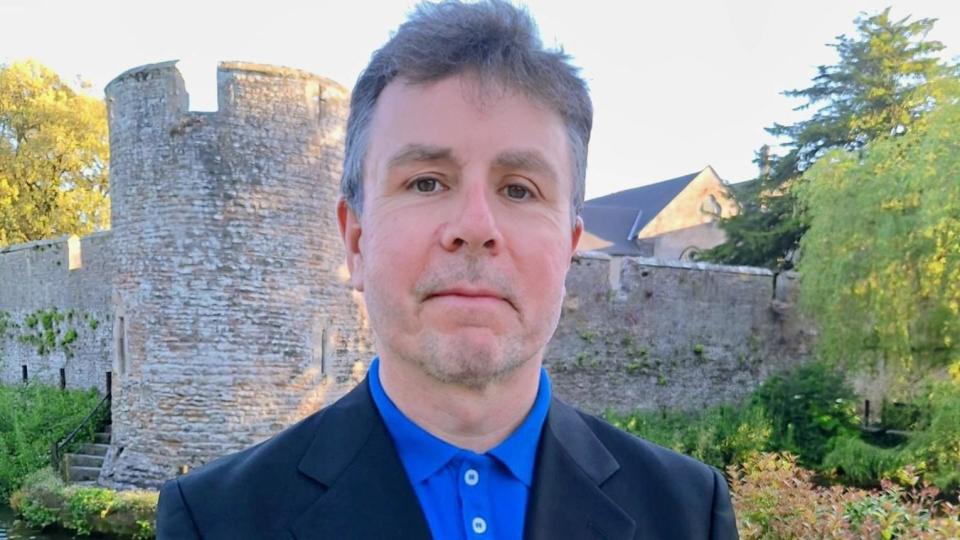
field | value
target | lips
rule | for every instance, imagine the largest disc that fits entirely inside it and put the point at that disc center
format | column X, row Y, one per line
column 470, row 293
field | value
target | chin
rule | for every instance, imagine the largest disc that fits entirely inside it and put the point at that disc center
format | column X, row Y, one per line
column 468, row 361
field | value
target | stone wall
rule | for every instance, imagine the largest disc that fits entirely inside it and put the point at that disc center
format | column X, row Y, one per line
column 55, row 317
column 645, row 333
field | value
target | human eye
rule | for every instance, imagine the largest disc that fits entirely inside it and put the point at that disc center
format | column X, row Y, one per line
column 518, row 192
column 426, row 184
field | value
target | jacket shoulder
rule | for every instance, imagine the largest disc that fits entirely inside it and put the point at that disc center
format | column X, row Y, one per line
column 666, row 494
column 655, row 481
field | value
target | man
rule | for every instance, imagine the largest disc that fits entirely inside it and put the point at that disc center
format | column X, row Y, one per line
column 462, row 185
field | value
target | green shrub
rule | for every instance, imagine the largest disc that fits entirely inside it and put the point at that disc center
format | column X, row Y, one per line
column 44, row 500
column 810, row 411
column 935, row 448
column 901, row 416
column 808, row 406
column 663, row 428
column 720, row 436
column 892, row 515
column 862, row 464
column 86, row 508
column 32, row 418
column 931, row 454
column 37, row 515
column 38, row 500
column 728, row 434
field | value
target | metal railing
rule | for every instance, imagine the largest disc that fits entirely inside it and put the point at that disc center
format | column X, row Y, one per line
column 870, row 428
column 56, row 448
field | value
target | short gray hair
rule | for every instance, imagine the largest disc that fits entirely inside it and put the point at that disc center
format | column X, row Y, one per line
column 491, row 38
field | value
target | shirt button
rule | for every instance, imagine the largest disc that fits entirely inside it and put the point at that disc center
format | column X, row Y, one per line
column 479, row 525
column 471, row 477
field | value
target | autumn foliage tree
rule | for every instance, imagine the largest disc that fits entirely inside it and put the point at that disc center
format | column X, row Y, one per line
column 54, row 154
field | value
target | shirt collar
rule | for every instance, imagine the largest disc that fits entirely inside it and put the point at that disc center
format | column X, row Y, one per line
column 423, row 454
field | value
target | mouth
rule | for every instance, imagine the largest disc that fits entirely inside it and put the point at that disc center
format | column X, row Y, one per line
column 470, row 294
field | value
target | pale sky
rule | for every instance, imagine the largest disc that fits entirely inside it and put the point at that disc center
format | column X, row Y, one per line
column 676, row 85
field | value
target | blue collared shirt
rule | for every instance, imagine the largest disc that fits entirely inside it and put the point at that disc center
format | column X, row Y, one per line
column 465, row 495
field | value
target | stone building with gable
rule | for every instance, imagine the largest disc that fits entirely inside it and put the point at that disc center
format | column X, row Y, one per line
column 673, row 219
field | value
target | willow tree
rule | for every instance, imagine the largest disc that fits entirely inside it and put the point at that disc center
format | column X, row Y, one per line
column 881, row 263
column 53, row 156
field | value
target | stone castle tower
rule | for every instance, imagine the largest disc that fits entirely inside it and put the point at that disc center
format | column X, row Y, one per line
column 233, row 315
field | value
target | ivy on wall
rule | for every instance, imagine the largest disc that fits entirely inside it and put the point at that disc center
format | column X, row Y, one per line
column 48, row 330
column 6, row 324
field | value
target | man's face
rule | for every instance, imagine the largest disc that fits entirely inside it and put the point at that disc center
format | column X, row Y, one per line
column 466, row 235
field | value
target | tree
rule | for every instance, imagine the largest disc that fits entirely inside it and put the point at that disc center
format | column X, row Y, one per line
column 882, row 84
column 881, row 264
column 768, row 227
column 54, row 153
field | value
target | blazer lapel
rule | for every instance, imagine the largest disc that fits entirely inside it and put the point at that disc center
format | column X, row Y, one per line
column 368, row 494
column 566, row 500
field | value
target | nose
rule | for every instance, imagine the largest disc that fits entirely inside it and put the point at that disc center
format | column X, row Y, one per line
column 473, row 226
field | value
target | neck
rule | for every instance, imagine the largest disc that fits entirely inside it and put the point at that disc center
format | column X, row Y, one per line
column 476, row 419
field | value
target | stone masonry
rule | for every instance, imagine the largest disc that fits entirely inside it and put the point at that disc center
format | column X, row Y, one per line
column 37, row 282
column 653, row 334
column 229, row 290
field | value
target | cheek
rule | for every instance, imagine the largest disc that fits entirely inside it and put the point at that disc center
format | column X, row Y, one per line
column 543, row 271
column 393, row 254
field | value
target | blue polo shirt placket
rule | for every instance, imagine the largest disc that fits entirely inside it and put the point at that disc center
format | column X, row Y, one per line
column 465, row 495
column 474, row 489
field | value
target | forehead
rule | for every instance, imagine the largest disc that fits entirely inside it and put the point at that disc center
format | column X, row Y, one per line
column 475, row 119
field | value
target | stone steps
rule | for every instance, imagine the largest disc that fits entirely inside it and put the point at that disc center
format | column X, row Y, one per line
column 94, row 449
column 83, row 460
column 83, row 467
column 80, row 474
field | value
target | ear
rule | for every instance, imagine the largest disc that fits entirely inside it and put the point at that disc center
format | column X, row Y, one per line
column 575, row 235
column 350, row 231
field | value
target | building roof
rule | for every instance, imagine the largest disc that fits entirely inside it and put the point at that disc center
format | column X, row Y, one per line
column 618, row 217
column 611, row 224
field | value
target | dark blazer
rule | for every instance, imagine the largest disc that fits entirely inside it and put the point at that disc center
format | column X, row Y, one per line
column 336, row 475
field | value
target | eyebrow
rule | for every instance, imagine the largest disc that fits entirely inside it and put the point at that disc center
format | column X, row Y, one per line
column 413, row 153
column 528, row 160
